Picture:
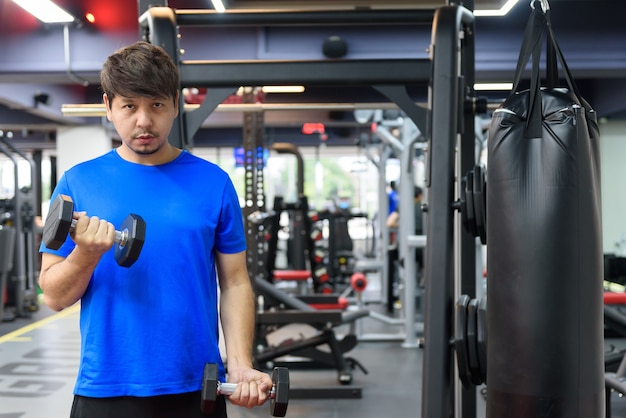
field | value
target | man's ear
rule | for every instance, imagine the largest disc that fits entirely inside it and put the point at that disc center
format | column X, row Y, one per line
column 107, row 105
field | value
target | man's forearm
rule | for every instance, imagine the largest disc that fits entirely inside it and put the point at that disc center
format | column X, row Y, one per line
column 64, row 281
column 237, row 310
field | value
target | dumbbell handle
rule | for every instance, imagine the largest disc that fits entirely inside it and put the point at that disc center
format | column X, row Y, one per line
column 121, row 237
column 229, row 388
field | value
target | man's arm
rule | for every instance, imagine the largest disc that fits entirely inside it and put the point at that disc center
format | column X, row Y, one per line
column 237, row 312
column 63, row 281
column 392, row 219
column 236, row 308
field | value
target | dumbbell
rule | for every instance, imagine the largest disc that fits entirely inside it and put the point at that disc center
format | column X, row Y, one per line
column 212, row 388
column 59, row 223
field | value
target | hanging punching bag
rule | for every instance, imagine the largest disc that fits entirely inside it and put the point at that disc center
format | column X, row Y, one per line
column 545, row 347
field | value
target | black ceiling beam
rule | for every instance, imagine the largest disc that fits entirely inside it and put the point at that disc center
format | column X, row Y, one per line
column 308, row 73
column 292, row 17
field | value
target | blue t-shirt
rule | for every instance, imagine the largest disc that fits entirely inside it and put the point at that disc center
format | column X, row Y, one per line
column 393, row 201
column 149, row 329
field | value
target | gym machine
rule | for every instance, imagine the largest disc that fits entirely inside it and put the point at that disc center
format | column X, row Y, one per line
column 7, row 247
column 449, row 262
column 444, row 121
column 404, row 148
column 277, row 308
column 299, row 248
column 332, row 355
column 20, row 214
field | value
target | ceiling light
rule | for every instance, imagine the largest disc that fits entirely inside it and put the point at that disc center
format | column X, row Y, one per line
column 45, row 10
column 492, row 86
column 282, row 89
column 218, row 6
column 497, row 12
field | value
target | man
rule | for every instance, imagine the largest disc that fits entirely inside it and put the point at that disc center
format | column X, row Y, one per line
column 394, row 218
column 148, row 330
column 393, row 198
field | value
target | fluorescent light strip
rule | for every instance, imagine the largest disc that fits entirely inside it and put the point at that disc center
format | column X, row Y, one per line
column 282, row 89
column 45, row 10
column 492, row 86
column 218, row 6
column 497, row 12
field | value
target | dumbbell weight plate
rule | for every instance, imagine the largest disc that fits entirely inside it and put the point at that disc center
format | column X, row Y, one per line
column 209, row 386
column 127, row 254
column 58, row 222
column 460, row 341
column 278, row 404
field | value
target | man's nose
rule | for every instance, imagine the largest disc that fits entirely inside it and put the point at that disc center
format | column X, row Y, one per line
column 144, row 117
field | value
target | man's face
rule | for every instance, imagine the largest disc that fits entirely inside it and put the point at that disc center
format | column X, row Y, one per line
column 143, row 124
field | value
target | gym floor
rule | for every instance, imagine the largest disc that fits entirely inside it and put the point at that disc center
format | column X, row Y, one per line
column 39, row 357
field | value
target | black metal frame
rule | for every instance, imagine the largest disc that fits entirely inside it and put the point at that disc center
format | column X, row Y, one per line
column 159, row 26
column 449, row 69
column 22, row 288
column 450, row 73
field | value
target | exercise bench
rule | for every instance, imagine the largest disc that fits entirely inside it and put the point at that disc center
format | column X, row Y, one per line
column 295, row 310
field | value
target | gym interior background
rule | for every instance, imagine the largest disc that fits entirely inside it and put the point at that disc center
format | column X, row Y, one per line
column 49, row 73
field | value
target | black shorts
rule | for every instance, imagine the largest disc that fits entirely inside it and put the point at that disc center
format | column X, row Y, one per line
column 186, row 405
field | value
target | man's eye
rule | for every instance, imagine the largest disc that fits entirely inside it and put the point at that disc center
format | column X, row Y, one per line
column 158, row 105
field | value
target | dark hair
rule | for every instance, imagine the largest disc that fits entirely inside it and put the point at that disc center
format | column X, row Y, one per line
column 140, row 69
column 417, row 191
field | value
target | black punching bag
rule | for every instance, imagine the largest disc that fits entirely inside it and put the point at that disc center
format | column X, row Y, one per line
column 545, row 351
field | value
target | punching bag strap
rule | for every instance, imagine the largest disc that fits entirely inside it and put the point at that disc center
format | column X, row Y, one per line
column 554, row 56
column 538, row 25
column 533, row 121
column 531, row 50
column 532, row 40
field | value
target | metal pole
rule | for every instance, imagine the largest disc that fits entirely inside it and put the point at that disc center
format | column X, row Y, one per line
column 406, row 228
column 383, row 210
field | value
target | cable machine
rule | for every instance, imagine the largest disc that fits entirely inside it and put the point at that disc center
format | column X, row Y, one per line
column 20, row 215
column 447, row 122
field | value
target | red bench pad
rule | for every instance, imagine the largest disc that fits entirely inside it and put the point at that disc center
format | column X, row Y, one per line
column 292, row 274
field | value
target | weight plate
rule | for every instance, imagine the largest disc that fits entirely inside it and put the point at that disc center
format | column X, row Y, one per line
column 209, row 388
column 469, row 204
column 280, row 400
column 460, row 341
column 480, row 203
column 127, row 254
column 463, row 202
column 472, row 348
column 481, row 337
column 58, row 222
